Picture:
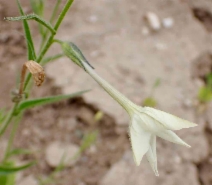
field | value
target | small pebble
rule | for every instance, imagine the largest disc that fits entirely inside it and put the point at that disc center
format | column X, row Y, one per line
column 93, row 18
column 57, row 151
column 167, row 22
column 153, row 21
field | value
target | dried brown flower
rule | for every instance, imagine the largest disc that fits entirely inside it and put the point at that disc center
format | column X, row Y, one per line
column 37, row 71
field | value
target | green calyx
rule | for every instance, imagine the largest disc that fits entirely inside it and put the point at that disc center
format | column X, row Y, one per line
column 74, row 53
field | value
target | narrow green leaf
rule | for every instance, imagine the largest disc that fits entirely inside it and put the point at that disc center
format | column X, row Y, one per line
column 38, row 8
column 157, row 83
column 46, row 100
column 52, row 58
column 149, row 102
column 6, row 170
column 88, row 140
column 30, row 45
column 205, row 94
column 19, row 151
column 2, row 115
column 54, row 12
column 11, row 179
column 34, row 17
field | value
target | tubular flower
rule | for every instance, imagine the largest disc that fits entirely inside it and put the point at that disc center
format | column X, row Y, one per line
column 146, row 123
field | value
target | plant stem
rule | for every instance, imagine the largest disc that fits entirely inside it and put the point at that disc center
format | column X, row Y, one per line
column 39, row 59
column 51, row 38
column 12, row 135
column 8, row 119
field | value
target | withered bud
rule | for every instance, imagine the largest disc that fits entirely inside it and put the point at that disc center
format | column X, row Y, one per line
column 37, row 72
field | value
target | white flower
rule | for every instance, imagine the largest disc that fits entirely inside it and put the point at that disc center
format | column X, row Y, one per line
column 146, row 123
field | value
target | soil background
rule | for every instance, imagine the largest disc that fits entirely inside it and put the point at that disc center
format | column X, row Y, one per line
column 116, row 40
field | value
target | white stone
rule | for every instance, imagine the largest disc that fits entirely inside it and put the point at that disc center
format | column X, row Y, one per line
column 57, row 151
column 153, row 21
column 93, row 18
column 168, row 22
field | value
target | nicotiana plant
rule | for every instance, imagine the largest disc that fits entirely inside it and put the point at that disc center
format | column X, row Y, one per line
column 21, row 96
column 146, row 123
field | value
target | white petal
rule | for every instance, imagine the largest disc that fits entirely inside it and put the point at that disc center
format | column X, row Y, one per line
column 140, row 140
column 152, row 155
column 172, row 137
column 170, row 121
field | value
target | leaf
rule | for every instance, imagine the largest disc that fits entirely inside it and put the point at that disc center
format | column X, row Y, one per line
column 6, row 170
column 2, row 115
column 32, row 17
column 205, row 94
column 52, row 58
column 8, row 179
column 30, row 45
column 157, row 83
column 98, row 116
column 46, row 100
column 54, row 12
column 88, row 140
column 19, row 151
column 37, row 6
column 11, row 179
column 149, row 102
column 209, row 80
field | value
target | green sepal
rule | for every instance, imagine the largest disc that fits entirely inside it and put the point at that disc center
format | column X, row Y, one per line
column 74, row 53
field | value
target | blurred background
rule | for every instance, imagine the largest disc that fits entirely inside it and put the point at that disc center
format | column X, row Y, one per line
column 157, row 53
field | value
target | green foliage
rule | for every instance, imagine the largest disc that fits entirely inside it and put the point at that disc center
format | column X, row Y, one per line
column 8, row 179
column 32, row 17
column 26, row 104
column 37, row 6
column 150, row 100
column 47, row 32
column 88, row 140
column 98, row 116
column 2, row 115
column 74, row 53
column 18, row 151
column 7, row 168
column 30, row 44
column 52, row 58
column 205, row 92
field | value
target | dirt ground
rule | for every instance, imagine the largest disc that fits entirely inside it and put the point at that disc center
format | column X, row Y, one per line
column 114, row 37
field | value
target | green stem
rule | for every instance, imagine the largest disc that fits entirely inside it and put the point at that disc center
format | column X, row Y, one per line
column 46, row 33
column 39, row 59
column 55, row 11
column 11, row 139
column 63, row 13
column 8, row 119
column 34, row 17
column 51, row 38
